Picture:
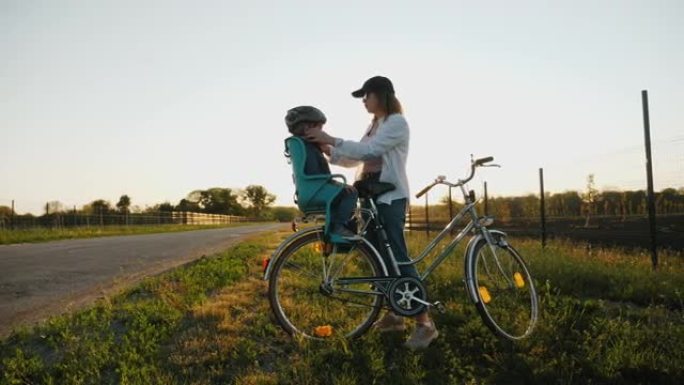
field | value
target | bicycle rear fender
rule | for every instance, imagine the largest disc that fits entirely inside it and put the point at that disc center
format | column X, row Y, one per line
column 469, row 273
column 276, row 254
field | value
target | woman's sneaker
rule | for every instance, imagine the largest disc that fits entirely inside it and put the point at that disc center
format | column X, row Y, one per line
column 390, row 323
column 422, row 335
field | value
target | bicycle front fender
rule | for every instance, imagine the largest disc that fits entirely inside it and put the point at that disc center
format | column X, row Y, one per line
column 469, row 262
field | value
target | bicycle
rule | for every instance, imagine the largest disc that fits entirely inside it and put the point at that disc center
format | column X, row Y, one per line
column 318, row 289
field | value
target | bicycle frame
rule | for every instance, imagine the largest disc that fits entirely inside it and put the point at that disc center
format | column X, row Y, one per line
column 469, row 208
column 474, row 223
column 384, row 282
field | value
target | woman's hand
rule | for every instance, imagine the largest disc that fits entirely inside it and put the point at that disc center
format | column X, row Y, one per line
column 315, row 135
column 325, row 148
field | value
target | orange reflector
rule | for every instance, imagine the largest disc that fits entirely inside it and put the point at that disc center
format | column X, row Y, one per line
column 519, row 281
column 318, row 247
column 264, row 263
column 323, row 331
column 484, row 294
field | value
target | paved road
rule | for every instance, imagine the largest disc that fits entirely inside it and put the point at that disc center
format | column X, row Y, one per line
column 38, row 280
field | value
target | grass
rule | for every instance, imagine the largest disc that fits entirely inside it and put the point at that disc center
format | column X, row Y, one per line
column 606, row 318
column 35, row 235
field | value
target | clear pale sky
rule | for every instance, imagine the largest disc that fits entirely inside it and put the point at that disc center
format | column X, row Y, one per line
column 155, row 99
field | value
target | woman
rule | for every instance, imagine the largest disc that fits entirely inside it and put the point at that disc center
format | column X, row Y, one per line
column 381, row 155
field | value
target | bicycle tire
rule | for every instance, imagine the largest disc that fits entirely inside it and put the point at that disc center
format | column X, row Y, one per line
column 503, row 292
column 300, row 305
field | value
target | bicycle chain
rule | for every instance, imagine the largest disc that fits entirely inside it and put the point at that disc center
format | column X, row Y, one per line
column 356, row 303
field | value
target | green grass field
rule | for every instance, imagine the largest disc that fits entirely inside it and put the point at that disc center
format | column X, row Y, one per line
column 606, row 318
column 47, row 234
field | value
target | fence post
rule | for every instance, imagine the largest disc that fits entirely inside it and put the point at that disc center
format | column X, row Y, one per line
column 542, row 208
column 649, row 180
column 486, row 200
column 451, row 210
column 409, row 215
column 427, row 217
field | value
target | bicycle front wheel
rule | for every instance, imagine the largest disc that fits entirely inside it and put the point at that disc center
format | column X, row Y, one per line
column 503, row 289
column 319, row 293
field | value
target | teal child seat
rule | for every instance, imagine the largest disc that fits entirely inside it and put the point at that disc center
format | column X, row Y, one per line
column 314, row 193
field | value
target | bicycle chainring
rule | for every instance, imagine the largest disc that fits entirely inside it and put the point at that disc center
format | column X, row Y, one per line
column 402, row 295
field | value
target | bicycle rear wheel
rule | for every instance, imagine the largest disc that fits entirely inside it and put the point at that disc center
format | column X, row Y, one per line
column 502, row 289
column 307, row 303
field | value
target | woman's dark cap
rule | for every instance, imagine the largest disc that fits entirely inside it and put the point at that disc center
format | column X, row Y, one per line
column 379, row 84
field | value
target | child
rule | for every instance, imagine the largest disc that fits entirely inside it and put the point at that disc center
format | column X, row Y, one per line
column 298, row 119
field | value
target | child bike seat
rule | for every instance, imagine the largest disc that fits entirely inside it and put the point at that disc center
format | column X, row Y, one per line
column 313, row 193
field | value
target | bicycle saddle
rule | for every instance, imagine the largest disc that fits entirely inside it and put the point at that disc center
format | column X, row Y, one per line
column 372, row 189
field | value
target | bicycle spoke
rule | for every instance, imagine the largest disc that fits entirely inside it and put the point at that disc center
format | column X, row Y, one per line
column 300, row 271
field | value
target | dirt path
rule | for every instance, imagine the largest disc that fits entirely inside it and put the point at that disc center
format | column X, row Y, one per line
column 39, row 280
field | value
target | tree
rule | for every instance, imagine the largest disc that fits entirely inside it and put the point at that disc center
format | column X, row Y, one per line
column 100, row 206
column 258, row 199
column 590, row 197
column 612, row 203
column 500, row 208
column 124, row 204
column 530, row 205
column 5, row 215
column 5, row 211
column 635, row 202
column 165, row 207
column 666, row 201
column 54, row 207
column 217, row 201
column 188, row 205
column 284, row 214
column 455, row 206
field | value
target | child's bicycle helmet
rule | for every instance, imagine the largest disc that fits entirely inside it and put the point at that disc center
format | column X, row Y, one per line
column 303, row 114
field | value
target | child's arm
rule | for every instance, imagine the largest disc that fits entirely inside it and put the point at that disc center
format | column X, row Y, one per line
column 395, row 131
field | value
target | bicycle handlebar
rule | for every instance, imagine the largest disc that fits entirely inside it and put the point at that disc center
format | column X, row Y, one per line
column 482, row 161
column 426, row 189
column 442, row 180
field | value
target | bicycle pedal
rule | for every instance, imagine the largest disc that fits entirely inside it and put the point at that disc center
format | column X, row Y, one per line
column 440, row 307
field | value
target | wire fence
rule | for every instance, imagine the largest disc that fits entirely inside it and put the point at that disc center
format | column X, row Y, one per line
column 625, row 231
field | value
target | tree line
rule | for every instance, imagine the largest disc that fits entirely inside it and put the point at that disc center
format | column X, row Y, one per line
column 253, row 201
column 586, row 204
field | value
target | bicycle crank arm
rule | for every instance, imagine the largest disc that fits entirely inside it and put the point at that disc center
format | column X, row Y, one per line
column 438, row 305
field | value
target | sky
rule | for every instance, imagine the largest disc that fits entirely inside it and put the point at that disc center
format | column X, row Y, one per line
column 155, row 99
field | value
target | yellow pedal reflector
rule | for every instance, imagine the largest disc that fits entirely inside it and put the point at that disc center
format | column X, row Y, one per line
column 484, row 294
column 519, row 281
column 323, row 331
column 318, row 247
